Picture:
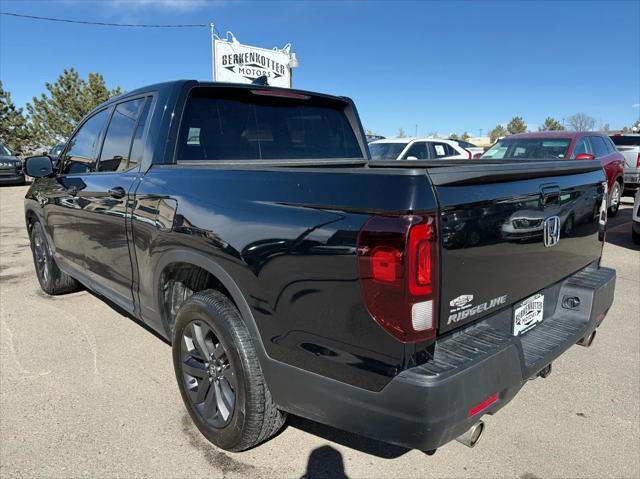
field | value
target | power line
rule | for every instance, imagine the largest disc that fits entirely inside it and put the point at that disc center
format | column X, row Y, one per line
column 104, row 24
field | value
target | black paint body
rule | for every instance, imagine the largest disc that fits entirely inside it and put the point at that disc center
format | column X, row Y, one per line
column 281, row 239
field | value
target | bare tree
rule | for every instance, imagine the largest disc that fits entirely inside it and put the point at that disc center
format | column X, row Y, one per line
column 581, row 122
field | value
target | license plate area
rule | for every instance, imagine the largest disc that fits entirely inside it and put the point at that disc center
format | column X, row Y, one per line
column 528, row 314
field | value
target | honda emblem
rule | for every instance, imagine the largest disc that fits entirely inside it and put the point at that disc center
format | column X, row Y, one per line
column 551, row 231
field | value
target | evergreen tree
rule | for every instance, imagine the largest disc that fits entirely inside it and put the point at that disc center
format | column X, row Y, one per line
column 551, row 124
column 14, row 133
column 516, row 125
column 54, row 115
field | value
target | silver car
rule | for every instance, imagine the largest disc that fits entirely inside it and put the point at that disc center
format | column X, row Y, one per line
column 629, row 146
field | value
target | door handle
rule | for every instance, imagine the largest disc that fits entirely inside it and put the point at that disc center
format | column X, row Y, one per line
column 117, row 192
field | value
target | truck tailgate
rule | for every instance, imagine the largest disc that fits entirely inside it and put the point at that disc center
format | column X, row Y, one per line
column 509, row 229
column 498, row 243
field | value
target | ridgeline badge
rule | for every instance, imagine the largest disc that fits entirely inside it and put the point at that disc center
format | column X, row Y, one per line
column 463, row 308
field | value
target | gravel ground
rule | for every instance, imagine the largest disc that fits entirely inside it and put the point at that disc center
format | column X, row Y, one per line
column 86, row 392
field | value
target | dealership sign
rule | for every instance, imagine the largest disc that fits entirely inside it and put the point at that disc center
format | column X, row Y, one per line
column 237, row 63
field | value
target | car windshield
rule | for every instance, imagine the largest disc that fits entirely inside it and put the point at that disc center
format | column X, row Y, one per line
column 386, row 151
column 525, row 148
column 626, row 140
column 4, row 151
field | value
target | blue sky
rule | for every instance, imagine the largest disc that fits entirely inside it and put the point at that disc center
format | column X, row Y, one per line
column 445, row 66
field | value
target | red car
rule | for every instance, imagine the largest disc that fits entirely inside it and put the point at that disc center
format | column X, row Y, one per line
column 578, row 145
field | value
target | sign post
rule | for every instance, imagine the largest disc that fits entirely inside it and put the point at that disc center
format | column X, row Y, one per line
column 237, row 63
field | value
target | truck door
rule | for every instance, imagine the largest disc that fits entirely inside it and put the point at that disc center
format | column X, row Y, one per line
column 102, row 214
column 59, row 196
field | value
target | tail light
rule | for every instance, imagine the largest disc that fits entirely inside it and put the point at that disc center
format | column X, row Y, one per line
column 638, row 160
column 397, row 261
column 470, row 155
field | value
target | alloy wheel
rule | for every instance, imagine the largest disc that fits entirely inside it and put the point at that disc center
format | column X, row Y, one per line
column 41, row 255
column 614, row 200
column 208, row 375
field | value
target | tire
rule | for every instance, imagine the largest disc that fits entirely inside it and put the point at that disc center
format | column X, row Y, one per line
column 635, row 236
column 51, row 279
column 219, row 375
column 614, row 199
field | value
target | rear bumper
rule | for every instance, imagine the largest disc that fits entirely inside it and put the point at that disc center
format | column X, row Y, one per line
column 631, row 178
column 427, row 406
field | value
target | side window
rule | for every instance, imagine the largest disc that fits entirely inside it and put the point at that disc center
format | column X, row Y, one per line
column 442, row 150
column 137, row 148
column 582, row 146
column 81, row 153
column 417, row 150
column 610, row 146
column 599, row 148
column 117, row 141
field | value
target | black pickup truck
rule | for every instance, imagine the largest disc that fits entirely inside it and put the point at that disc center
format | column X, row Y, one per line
column 247, row 225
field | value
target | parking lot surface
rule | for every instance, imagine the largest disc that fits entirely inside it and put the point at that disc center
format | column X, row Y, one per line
column 87, row 392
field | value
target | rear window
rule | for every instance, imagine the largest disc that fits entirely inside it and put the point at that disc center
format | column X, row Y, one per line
column 224, row 124
column 386, row 151
column 524, row 148
column 626, row 140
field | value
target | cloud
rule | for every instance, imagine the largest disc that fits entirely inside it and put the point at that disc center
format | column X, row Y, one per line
column 175, row 5
column 635, row 105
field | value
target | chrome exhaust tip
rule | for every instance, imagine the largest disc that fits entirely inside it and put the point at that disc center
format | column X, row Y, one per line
column 472, row 436
column 587, row 340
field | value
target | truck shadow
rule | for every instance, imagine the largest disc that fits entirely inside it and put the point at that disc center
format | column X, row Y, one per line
column 619, row 227
column 353, row 441
column 325, row 462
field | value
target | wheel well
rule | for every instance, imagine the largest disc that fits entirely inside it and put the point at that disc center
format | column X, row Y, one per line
column 178, row 282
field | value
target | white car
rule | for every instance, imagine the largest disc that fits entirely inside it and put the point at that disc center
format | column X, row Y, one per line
column 417, row 149
column 635, row 224
column 476, row 151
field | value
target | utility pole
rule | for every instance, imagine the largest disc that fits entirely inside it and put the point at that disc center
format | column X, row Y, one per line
column 416, row 131
column 480, row 133
column 213, row 66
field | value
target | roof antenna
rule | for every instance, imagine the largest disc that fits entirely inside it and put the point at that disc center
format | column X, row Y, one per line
column 261, row 81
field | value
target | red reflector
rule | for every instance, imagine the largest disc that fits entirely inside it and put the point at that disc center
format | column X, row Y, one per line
column 420, row 245
column 483, row 405
column 424, row 264
column 385, row 263
column 281, row 94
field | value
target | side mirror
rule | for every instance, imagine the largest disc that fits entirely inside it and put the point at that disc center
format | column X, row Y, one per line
column 585, row 156
column 38, row 166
